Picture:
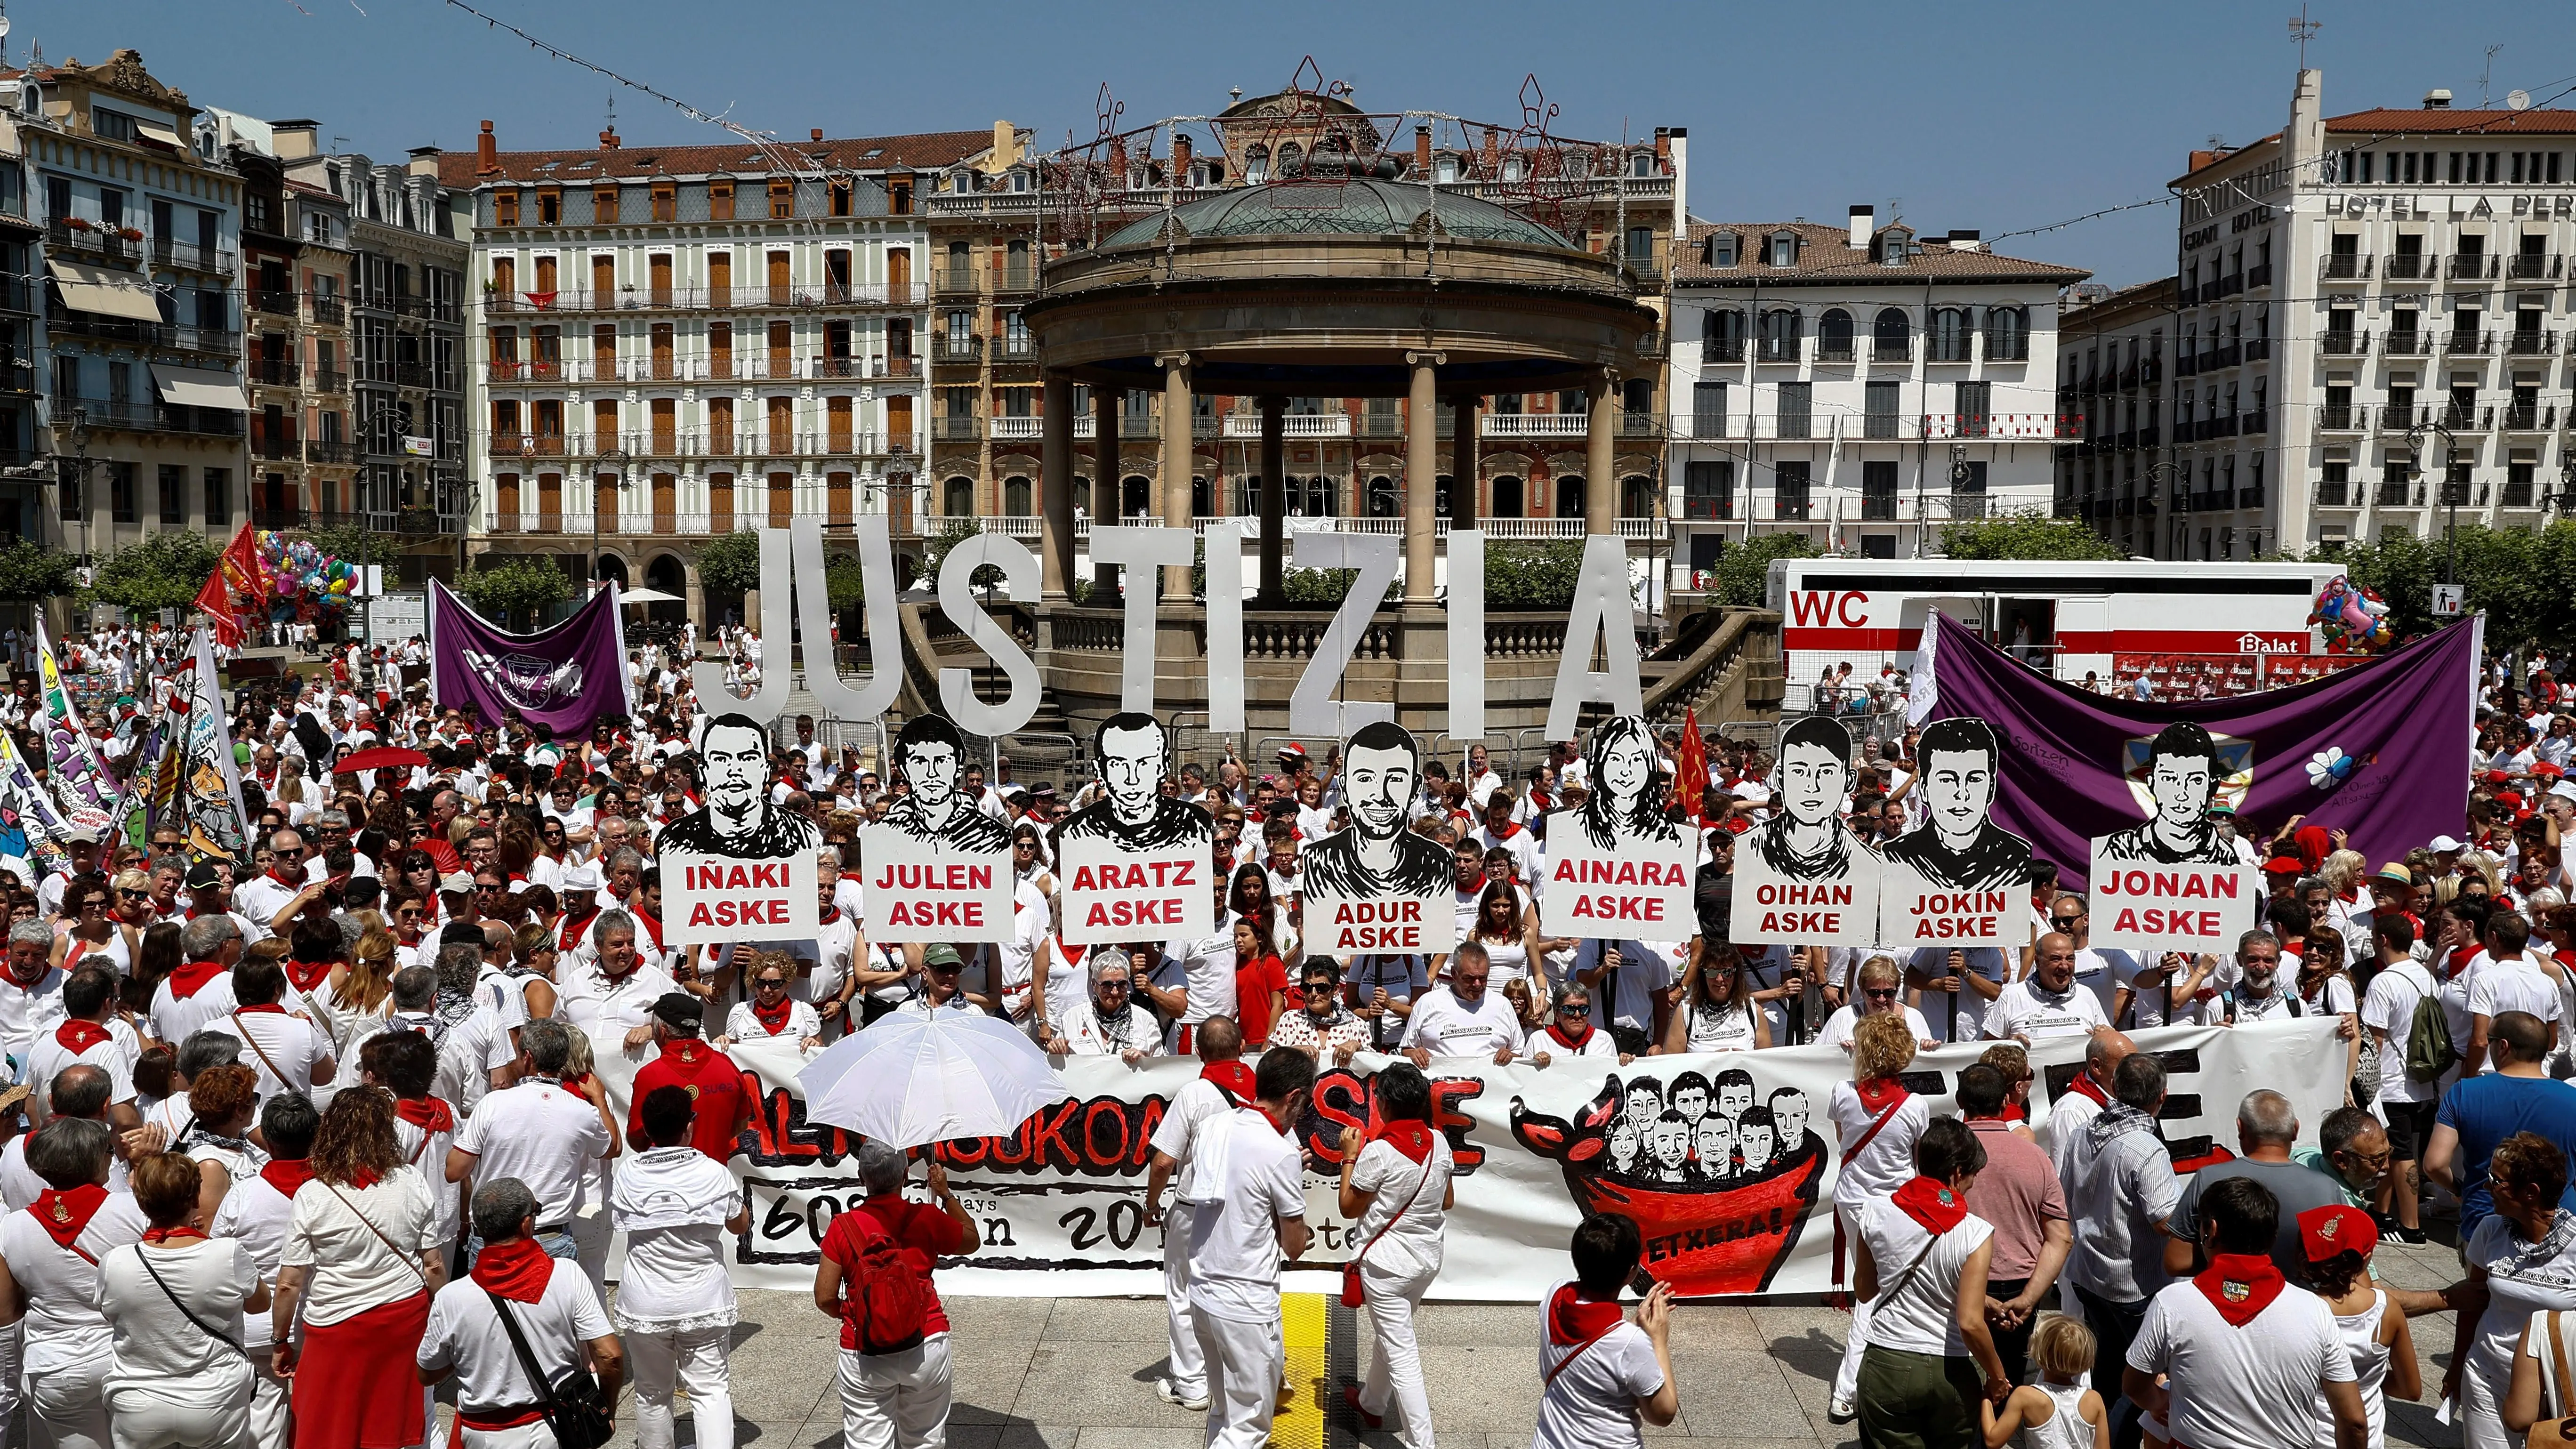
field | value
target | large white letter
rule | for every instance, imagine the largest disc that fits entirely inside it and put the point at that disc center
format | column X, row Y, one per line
column 1224, row 538
column 777, row 583
column 1602, row 609
column 1466, row 634
column 814, row 618
column 1141, row 551
column 1312, row 710
column 957, row 600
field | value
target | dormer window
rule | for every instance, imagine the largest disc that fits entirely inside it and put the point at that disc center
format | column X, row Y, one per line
column 1782, row 249
column 1893, row 246
column 1513, row 168
column 1642, row 164
column 1722, row 249
column 1020, row 180
column 1445, row 170
column 1256, row 164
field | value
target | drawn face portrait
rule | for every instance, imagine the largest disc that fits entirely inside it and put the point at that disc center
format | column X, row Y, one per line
column 1623, row 1145
column 1789, row 1113
column 930, row 767
column 1733, row 1098
column 1643, row 1104
column 1691, row 1102
column 1671, row 1142
column 1626, row 771
column 1131, row 770
column 1378, row 784
column 736, row 762
column 1811, row 783
column 2180, row 786
column 1755, row 1141
column 1958, row 786
column 1713, row 1143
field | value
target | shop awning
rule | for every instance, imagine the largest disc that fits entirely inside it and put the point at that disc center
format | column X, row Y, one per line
column 98, row 289
column 199, row 387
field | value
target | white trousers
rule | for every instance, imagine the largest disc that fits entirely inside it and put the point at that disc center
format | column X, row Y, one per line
column 1395, row 1370
column 694, row 1360
column 1847, row 1377
column 2482, row 1413
column 11, row 1338
column 67, row 1407
column 1244, row 1364
column 896, row 1400
column 591, row 1230
column 145, row 1420
column 1189, row 1366
column 272, row 1417
column 533, row 1435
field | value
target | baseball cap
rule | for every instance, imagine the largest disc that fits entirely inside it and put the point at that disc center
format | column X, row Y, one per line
column 456, row 882
column 940, row 954
column 80, row 835
column 2564, row 789
column 2285, row 865
column 679, row 1008
column 204, row 876
column 2443, row 844
column 1292, row 751
column 2495, row 777
column 2326, row 1231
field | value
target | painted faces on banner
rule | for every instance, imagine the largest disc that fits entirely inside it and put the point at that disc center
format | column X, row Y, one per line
column 1378, row 887
column 742, row 864
column 1803, row 878
column 1135, row 862
column 937, row 868
column 1959, row 878
column 1617, row 865
column 2173, row 882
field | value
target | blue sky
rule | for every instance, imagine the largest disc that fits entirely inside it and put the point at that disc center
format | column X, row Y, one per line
column 1996, row 116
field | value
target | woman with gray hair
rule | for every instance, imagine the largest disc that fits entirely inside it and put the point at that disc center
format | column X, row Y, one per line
column 1110, row 1024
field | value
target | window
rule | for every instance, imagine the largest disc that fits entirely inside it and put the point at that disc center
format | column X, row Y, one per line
column 1879, row 409
column 666, row 201
column 120, row 491
column 1947, row 339
column 1722, row 336
column 58, row 198
column 603, row 205
column 174, row 494
column 112, row 125
column 1782, row 250
column 1968, row 477
column 1708, row 489
column 1789, row 489
column 1878, row 490
column 841, row 193
column 2007, row 334
column 1975, row 404
column 1891, row 335
column 2334, row 485
column 1834, row 335
column 1797, row 409
column 1445, row 170
column 549, row 208
column 1780, row 335
column 1721, row 249
column 219, row 495
column 1641, row 247
column 1708, row 410
column 720, row 199
column 899, row 197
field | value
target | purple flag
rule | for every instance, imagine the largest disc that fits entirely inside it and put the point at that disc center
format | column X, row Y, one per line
column 2380, row 750
column 563, row 678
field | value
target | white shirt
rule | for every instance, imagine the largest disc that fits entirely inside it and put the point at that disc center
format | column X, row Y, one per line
column 2253, row 1387
column 1840, row 1026
column 1207, row 967
column 1085, row 1036
column 255, row 1214
column 175, row 1020
column 27, row 1012
column 672, row 1203
column 156, row 1347
column 542, row 1135
column 742, row 1025
column 1592, row 1402
column 465, row 1333
column 63, row 1327
column 1196, row 1101
column 294, row 1045
column 1402, row 1226
column 1886, row 1162
column 1448, row 1027
column 1919, row 1314
column 2511, row 984
column 334, row 1231
column 49, row 1057
column 1234, row 1228
column 2032, row 1012
column 608, row 1009
column 2389, row 1006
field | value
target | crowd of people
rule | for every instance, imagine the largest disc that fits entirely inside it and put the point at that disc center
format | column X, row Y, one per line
column 339, row 1093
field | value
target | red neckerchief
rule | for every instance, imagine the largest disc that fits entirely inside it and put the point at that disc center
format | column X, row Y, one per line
column 1233, row 1081
column 306, row 975
column 430, row 1114
column 516, row 1270
column 652, row 926
column 79, row 1036
column 1413, row 1139
column 178, row 1234
column 570, row 937
column 774, row 1019
column 1931, row 1203
column 688, row 1049
column 191, row 977
column 2083, row 1085
column 1879, row 1094
column 2240, row 1285
column 293, row 885
column 1571, row 1043
column 2015, row 1112
column 63, row 1213
column 266, row 1006
column 27, row 983
column 287, row 1174
column 1510, row 829
column 1573, row 1319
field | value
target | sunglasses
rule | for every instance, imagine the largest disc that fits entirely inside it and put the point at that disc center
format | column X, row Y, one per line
column 1572, row 1008
column 1113, row 986
column 1875, row 993
column 772, row 984
column 135, row 895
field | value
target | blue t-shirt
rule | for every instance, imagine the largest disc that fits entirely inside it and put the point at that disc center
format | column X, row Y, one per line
column 2485, row 1110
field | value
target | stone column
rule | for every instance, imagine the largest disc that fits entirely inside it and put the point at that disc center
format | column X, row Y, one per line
column 1600, row 490
column 1055, row 488
column 1462, row 462
column 1105, row 403
column 1177, row 458
column 1274, row 499
column 1421, row 477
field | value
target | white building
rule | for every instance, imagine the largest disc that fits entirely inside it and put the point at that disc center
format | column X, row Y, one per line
column 2352, row 279
column 1862, row 386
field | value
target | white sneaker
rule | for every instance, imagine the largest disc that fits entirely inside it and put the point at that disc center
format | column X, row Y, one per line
column 1839, row 1410
column 1171, row 1394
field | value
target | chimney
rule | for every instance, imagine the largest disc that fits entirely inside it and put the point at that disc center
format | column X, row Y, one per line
column 1181, row 151
column 1663, row 143
column 608, row 141
column 1864, row 222
column 2437, row 100
column 1680, row 140
column 487, row 154
column 424, row 161
column 1118, row 162
column 816, row 133
column 295, row 140
column 1493, row 153
column 1422, row 152
column 1963, row 239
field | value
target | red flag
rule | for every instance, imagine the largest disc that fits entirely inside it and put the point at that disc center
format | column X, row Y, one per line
column 1691, row 766
column 239, row 571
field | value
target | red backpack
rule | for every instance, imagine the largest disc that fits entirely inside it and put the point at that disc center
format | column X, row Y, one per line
column 885, row 1299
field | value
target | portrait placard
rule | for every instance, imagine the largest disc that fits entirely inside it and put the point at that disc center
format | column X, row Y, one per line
column 1377, row 887
column 916, row 889
column 1802, row 878
column 711, row 899
column 2195, row 909
column 1617, row 865
column 1136, row 864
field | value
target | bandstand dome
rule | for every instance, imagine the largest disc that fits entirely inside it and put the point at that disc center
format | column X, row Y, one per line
column 1354, row 206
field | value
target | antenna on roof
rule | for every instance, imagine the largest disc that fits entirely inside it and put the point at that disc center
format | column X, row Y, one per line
column 2303, row 30
column 4, row 35
column 2483, row 74
column 612, row 112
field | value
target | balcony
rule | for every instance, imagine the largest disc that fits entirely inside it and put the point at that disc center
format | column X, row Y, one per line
column 1246, row 423
column 278, row 516
column 840, row 367
column 2343, row 267
column 2403, row 417
column 1021, row 351
column 2258, row 276
column 747, row 297
column 1836, row 349
column 146, row 417
column 2468, row 344
column 2256, row 422
column 2258, row 349
column 2530, row 417
column 2412, row 342
column 957, row 429
column 2341, row 418
column 903, row 366
column 1014, row 281
column 1937, row 348
column 2343, row 344
column 89, row 242
column 2519, row 343
column 2008, row 427
column 2406, row 266
column 2335, row 493
column 2472, row 267
column 2186, row 364
column 1782, row 349
column 2398, row 493
column 276, row 447
column 327, row 311
column 183, row 257
column 2468, row 418
column 1726, row 349
column 330, row 380
column 1018, row 428
column 273, row 304
column 954, row 282
column 2530, row 267
column 1535, row 425
column 944, row 348
column 330, row 450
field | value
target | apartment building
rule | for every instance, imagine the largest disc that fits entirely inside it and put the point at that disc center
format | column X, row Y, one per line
column 26, row 463
column 2370, row 306
column 143, row 345
column 2112, row 364
column 987, row 243
column 405, row 355
column 1862, row 385
column 672, row 342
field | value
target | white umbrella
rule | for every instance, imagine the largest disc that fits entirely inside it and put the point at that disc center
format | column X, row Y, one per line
column 646, row 596
column 914, row 1078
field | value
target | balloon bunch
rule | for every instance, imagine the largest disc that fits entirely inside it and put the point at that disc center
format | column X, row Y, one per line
column 2351, row 617
column 304, row 578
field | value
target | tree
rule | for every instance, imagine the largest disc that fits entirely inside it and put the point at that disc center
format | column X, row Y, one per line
column 32, row 573
column 1744, row 571
column 521, row 587
column 2524, row 582
column 352, row 544
column 161, row 571
column 2025, row 534
column 845, row 580
column 729, row 564
column 1532, row 575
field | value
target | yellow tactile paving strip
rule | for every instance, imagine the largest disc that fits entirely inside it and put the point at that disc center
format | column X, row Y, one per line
column 1313, row 1394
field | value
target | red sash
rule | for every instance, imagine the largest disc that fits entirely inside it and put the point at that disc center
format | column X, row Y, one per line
column 63, row 1214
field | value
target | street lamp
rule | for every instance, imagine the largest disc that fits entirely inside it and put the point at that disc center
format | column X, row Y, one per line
column 2566, row 499
column 80, row 471
column 2450, row 491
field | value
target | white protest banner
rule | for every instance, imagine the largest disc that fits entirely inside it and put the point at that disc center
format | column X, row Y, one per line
column 711, row 899
column 911, row 889
column 2195, row 909
column 1725, row 1161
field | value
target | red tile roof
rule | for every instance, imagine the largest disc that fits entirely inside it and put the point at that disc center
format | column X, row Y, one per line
column 2391, row 121
column 736, row 158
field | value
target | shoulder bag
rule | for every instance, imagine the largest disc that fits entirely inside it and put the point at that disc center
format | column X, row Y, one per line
column 1351, row 1295
column 2558, row 1432
column 570, row 1405
column 203, row 1327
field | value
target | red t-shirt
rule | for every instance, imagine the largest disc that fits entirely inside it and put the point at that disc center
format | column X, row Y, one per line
column 1253, row 982
column 714, row 1083
column 923, row 1232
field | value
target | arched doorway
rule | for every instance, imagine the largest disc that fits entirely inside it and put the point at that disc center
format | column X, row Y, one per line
column 1199, row 498
column 1570, row 492
column 1636, row 496
column 1135, row 496
column 665, row 572
column 957, row 497
column 1385, row 500
column 1015, row 497
column 1507, row 497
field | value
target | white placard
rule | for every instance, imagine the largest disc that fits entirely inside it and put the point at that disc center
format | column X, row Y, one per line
column 1379, row 925
column 1114, row 895
column 911, row 889
column 710, row 899
column 1781, row 896
column 1637, row 887
column 2196, row 909
column 1916, row 911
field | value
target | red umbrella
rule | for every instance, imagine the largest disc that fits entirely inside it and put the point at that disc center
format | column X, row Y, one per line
column 390, row 757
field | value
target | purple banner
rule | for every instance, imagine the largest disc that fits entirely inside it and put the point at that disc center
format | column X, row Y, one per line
column 563, row 678
column 2380, row 750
